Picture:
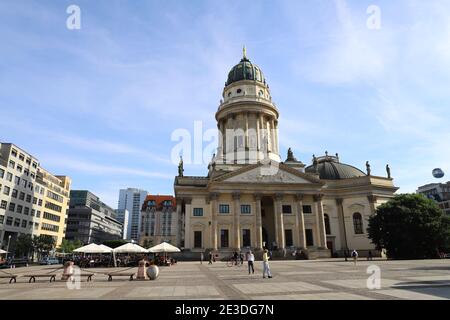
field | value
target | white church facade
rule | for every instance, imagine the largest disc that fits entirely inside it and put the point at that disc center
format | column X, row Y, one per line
column 252, row 199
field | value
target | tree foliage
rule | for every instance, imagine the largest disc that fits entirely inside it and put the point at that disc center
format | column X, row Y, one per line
column 24, row 245
column 43, row 243
column 410, row 226
column 67, row 246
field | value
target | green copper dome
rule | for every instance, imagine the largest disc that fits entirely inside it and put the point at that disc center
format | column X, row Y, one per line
column 245, row 70
column 330, row 168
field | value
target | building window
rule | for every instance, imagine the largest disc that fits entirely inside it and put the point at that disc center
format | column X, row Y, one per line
column 357, row 223
column 2, row 218
column 22, row 157
column 224, row 239
column 198, row 212
column 12, row 206
column 12, row 164
column 17, row 222
column 326, row 219
column 197, row 239
column 51, row 217
column 288, row 237
column 287, row 209
column 17, row 180
column 9, row 176
column 2, row 173
column 9, row 221
column 309, row 237
column 14, row 152
column 28, row 198
column 224, row 208
column 26, row 210
column 3, row 204
column 14, row 193
column 24, row 223
column 245, row 209
column 19, row 168
column 246, row 238
column 19, row 209
column 22, row 196
column 307, row 209
column 6, row 190
column 53, row 206
column 239, row 91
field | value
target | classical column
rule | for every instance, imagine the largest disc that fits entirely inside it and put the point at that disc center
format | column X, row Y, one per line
column 279, row 218
column 213, row 199
column 300, row 222
column 187, row 231
column 236, row 224
column 320, row 221
column 342, row 227
column 258, row 221
column 372, row 200
column 247, row 143
column 258, row 134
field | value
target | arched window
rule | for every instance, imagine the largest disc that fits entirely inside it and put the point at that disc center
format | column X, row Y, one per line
column 327, row 224
column 357, row 223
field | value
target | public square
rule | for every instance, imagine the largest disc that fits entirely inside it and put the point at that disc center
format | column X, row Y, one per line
column 332, row 279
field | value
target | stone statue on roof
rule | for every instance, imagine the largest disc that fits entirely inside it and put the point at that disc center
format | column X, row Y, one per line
column 290, row 155
column 368, row 168
column 388, row 170
column 180, row 167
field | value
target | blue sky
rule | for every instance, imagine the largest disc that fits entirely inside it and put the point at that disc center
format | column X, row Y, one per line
column 100, row 104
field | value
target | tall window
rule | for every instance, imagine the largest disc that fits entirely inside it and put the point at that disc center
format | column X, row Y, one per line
column 357, row 223
column 245, row 209
column 327, row 224
column 288, row 237
column 197, row 239
column 309, row 237
column 198, row 212
column 287, row 209
column 224, row 242
column 307, row 209
column 224, row 208
column 246, row 237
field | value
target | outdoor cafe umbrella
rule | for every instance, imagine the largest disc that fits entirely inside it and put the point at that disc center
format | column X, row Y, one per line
column 130, row 248
column 3, row 251
column 92, row 248
column 164, row 247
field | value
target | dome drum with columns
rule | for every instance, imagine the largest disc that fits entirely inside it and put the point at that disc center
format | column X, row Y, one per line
column 251, row 199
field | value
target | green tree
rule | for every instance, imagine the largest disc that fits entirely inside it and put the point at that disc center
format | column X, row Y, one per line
column 24, row 245
column 147, row 243
column 410, row 226
column 43, row 244
column 67, row 246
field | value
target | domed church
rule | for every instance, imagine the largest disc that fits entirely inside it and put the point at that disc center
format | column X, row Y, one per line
column 252, row 199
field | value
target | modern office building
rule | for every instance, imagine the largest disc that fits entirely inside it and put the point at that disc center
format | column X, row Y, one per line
column 55, row 192
column 122, row 216
column 32, row 200
column 439, row 192
column 90, row 220
column 132, row 199
column 159, row 220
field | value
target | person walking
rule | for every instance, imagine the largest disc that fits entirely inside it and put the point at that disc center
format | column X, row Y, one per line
column 210, row 257
column 369, row 257
column 250, row 260
column 201, row 258
column 355, row 256
column 266, row 267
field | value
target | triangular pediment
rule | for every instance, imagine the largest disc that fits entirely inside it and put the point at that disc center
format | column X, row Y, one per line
column 268, row 173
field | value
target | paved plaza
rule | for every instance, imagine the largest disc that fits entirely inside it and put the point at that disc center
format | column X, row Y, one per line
column 293, row 280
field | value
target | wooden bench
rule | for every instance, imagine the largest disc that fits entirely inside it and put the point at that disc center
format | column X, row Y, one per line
column 34, row 276
column 11, row 277
column 121, row 274
column 88, row 275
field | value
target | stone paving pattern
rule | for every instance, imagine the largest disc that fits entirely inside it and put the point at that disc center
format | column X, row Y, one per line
column 332, row 279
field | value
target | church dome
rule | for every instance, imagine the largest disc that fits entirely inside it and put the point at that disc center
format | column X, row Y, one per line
column 245, row 70
column 329, row 168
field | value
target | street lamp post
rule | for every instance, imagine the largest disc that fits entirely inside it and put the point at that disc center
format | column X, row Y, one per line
column 7, row 247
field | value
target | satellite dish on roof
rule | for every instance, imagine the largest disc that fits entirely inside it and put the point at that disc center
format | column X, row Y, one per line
column 438, row 173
